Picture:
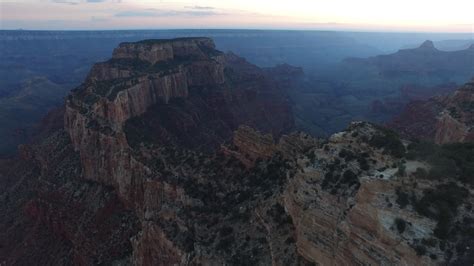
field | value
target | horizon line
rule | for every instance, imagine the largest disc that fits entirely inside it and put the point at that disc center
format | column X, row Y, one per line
column 241, row 29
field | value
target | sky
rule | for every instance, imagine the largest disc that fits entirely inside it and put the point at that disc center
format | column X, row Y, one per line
column 357, row 15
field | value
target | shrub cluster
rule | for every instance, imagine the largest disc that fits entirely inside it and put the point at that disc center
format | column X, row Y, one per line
column 450, row 160
column 389, row 141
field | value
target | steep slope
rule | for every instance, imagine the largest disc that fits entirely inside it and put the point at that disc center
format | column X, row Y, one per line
column 441, row 119
column 176, row 154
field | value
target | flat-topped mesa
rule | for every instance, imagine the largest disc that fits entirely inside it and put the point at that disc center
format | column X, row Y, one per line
column 155, row 56
column 154, row 51
column 147, row 72
column 138, row 76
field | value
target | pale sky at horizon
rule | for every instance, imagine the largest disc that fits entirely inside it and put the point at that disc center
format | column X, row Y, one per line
column 366, row 15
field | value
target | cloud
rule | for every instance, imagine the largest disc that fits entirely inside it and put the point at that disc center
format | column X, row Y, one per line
column 69, row 2
column 98, row 19
column 166, row 13
column 76, row 2
column 200, row 7
column 141, row 13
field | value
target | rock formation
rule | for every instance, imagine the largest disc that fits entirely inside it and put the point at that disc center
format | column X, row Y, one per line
column 173, row 153
column 443, row 119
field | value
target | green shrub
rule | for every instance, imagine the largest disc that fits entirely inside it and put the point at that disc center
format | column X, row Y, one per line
column 225, row 231
column 312, row 156
column 441, row 204
column 389, row 141
column 401, row 170
column 442, row 167
column 364, row 165
column 347, row 155
column 420, row 250
column 400, row 224
column 402, row 198
column 430, row 242
column 420, row 173
column 226, row 243
column 349, row 177
column 447, row 161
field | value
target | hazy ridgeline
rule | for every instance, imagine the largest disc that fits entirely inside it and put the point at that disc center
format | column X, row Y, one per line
column 39, row 68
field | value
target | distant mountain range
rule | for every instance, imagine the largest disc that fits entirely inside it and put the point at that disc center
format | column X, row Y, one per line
column 448, row 45
column 424, row 62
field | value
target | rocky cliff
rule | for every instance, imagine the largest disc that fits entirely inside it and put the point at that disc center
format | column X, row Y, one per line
column 173, row 153
column 443, row 119
column 184, row 74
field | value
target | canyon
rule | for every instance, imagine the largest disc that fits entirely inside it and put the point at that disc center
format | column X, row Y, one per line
column 174, row 153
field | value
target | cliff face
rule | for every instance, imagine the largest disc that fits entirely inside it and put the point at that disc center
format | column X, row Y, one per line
column 446, row 119
column 154, row 96
column 175, row 154
column 188, row 72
